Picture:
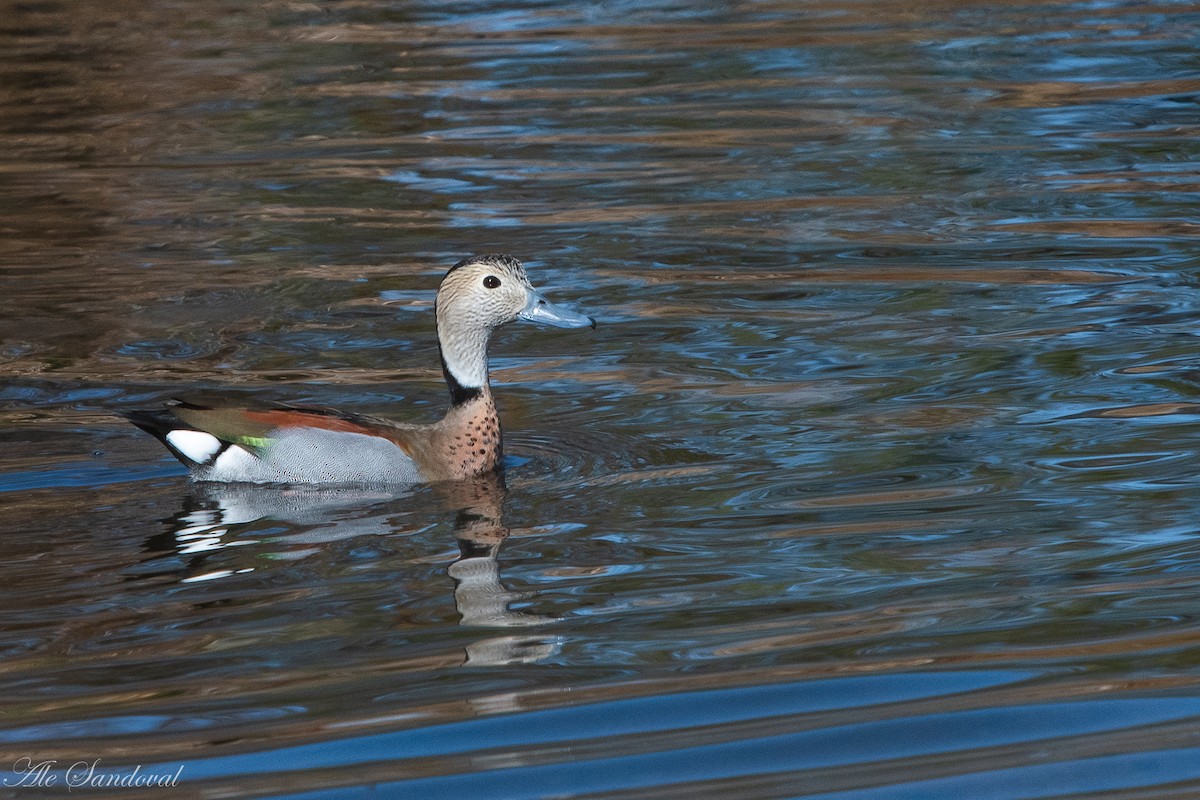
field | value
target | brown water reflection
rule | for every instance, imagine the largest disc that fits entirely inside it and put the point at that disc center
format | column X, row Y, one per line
column 876, row 480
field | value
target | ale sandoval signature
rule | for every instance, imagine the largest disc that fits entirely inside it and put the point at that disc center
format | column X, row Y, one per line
column 86, row 774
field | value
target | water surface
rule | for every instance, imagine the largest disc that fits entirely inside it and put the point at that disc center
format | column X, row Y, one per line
column 877, row 479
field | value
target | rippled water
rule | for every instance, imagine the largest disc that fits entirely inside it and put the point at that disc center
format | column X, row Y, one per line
column 877, row 480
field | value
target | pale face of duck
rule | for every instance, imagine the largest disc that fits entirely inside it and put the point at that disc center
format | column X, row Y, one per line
column 480, row 294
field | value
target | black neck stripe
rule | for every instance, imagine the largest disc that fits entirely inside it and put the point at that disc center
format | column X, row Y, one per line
column 459, row 394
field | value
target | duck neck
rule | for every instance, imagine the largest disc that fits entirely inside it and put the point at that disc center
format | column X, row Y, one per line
column 469, row 438
column 464, row 365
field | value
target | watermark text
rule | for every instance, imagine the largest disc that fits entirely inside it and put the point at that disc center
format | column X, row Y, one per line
column 86, row 775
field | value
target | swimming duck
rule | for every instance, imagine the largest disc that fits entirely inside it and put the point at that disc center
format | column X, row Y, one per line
column 299, row 445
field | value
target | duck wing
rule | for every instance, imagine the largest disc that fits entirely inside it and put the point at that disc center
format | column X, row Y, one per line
column 283, row 444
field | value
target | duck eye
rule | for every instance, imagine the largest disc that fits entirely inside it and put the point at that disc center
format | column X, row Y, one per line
column 491, row 281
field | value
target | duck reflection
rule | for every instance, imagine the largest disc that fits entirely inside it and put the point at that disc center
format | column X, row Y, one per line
column 219, row 516
column 480, row 596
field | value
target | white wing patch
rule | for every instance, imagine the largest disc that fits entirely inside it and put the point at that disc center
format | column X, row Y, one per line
column 236, row 463
column 196, row 445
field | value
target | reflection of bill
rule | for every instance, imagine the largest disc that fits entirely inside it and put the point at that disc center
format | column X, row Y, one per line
column 481, row 599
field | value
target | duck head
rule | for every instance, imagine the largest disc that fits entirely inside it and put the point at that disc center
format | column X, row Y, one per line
column 478, row 295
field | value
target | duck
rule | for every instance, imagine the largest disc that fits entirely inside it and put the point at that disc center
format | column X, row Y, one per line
column 293, row 444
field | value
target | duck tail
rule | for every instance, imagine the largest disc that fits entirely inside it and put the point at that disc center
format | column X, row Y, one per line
column 192, row 447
